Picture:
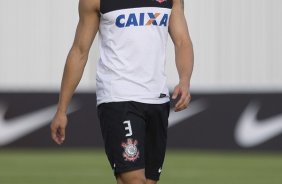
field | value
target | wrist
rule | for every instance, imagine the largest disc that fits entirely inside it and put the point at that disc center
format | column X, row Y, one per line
column 185, row 82
column 61, row 110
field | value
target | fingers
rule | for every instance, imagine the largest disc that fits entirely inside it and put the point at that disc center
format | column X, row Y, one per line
column 58, row 134
column 185, row 104
column 183, row 101
column 62, row 134
column 58, row 127
column 54, row 135
column 175, row 92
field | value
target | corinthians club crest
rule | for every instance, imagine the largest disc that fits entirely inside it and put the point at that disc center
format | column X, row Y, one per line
column 131, row 152
column 161, row 1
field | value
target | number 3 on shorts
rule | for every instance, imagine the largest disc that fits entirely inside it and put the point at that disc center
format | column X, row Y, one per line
column 128, row 128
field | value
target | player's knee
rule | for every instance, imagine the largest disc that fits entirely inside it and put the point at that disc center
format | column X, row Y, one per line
column 132, row 178
column 138, row 180
column 135, row 180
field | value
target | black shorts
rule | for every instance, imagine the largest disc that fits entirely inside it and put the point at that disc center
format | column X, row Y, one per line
column 135, row 136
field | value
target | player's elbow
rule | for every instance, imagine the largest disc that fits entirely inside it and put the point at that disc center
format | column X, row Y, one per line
column 79, row 52
column 183, row 43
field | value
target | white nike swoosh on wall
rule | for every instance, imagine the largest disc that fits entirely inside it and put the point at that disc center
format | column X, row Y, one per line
column 18, row 127
column 194, row 108
column 13, row 129
column 250, row 132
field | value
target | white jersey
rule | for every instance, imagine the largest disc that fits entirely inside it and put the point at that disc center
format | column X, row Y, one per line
column 132, row 39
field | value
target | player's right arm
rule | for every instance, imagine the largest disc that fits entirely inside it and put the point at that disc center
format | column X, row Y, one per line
column 87, row 28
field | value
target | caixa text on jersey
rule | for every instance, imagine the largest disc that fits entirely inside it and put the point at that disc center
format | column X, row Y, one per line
column 142, row 19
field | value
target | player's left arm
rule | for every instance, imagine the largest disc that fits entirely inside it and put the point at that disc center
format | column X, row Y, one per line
column 184, row 56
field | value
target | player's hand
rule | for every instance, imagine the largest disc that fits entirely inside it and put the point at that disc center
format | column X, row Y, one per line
column 181, row 91
column 58, row 127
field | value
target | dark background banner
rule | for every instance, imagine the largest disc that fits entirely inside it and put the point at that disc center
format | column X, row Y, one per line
column 213, row 121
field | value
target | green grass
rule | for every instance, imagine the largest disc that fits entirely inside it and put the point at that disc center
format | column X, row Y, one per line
column 181, row 167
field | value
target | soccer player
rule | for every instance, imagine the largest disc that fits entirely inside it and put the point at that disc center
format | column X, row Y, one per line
column 132, row 96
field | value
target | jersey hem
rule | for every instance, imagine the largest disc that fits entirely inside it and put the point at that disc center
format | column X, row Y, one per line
column 147, row 101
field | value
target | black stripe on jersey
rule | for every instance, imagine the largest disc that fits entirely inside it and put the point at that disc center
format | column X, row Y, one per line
column 112, row 5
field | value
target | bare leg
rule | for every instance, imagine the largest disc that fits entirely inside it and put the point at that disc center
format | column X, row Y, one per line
column 119, row 180
column 132, row 177
column 148, row 181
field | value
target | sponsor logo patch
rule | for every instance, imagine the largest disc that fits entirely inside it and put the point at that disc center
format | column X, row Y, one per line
column 142, row 19
column 131, row 152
